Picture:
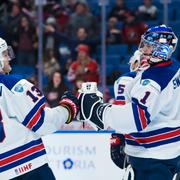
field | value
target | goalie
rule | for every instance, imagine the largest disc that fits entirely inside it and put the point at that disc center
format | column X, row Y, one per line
column 122, row 87
column 151, row 120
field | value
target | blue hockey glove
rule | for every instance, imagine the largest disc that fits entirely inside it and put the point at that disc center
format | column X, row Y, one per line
column 71, row 103
column 92, row 109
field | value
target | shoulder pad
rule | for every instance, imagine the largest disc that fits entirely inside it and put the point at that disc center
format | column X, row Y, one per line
column 127, row 76
column 161, row 75
column 9, row 80
column 150, row 82
column 20, row 86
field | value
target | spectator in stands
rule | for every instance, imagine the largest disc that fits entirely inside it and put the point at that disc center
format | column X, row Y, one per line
column 113, row 33
column 72, row 43
column 12, row 23
column 61, row 15
column 82, row 37
column 50, row 64
column 52, row 38
column 26, row 41
column 132, row 29
column 49, row 37
column 119, row 10
column 71, row 4
column 77, row 85
column 147, row 11
column 55, row 89
column 84, row 67
column 82, row 18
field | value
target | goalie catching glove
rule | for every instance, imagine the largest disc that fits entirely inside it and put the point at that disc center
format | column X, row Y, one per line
column 71, row 103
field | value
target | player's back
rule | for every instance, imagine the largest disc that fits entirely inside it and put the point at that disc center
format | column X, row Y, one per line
column 167, row 79
column 21, row 149
column 157, row 90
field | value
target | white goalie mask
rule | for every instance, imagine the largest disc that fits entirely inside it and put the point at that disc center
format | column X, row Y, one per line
column 6, row 53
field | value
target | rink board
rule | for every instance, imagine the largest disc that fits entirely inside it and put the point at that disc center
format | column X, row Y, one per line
column 81, row 155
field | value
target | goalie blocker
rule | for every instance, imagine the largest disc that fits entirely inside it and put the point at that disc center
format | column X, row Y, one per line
column 92, row 109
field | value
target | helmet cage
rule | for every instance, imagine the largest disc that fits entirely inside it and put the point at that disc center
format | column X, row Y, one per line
column 160, row 51
column 162, row 40
column 6, row 52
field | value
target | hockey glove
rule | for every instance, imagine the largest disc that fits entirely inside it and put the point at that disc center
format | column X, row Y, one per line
column 71, row 103
column 92, row 109
column 117, row 143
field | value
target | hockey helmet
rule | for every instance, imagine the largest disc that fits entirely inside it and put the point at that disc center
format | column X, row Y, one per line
column 5, row 51
column 159, row 43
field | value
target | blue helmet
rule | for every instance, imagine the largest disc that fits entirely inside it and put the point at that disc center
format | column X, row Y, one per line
column 162, row 41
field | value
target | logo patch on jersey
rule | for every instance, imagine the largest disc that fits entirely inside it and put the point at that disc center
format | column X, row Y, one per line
column 145, row 82
column 19, row 88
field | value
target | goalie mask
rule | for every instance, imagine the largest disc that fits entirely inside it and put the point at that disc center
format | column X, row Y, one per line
column 6, row 54
column 158, row 43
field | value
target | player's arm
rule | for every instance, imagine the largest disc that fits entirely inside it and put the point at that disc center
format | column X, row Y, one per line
column 132, row 117
column 137, row 114
column 33, row 114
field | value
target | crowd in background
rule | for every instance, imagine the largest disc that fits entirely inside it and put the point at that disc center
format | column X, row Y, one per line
column 72, row 35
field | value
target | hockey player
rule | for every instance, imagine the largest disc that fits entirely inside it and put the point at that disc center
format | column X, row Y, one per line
column 22, row 153
column 151, row 120
column 122, row 87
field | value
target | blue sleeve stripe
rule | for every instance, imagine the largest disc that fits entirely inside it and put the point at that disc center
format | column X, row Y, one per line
column 154, row 138
column 136, row 117
column 23, row 160
column 20, row 148
column 33, row 111
column 153, row 144
column 153, row 133
column 39, row 122
column 141, row 115
column 120, row 98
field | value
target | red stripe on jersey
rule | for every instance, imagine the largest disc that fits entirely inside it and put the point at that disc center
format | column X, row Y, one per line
column 142, row 118
column 35, row 118
column 154, row 138
column 119, row 102
column 20, row 155
column 128, row 136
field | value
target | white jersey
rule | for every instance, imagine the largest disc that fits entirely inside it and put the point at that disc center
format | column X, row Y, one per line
column 122, row 88
column 27, row 120
column 151, row 121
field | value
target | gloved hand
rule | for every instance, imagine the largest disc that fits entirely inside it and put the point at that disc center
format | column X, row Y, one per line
column 91, row 103
column 117, row 144
column 71, row 103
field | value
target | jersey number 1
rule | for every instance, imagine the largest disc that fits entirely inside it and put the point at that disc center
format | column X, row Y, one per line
column 144, row 99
